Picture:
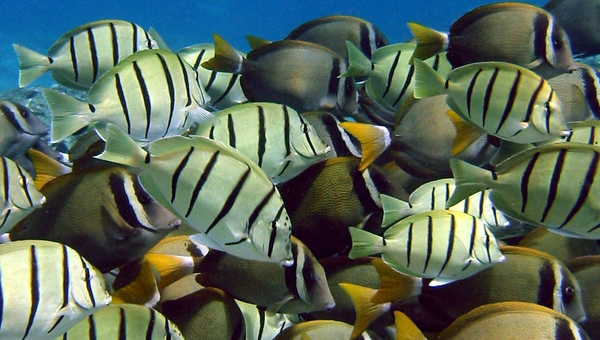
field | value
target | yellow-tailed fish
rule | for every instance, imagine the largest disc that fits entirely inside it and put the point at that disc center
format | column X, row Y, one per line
column 20, row 129
column 260, row 324
column 273, row 136
column 326, row 199
column 319, row 329
column 433, row 196
column 151, row 94
column 527, row 275
column 389, row 73
column 231, row 202
column 268, row 72
column 208, row 313
column 82, row 55
column 579, row 93
column 563, row 248
column 550, row 186
column 586, row 270
column 19, row 195
column 374, row 140
column 299, row 288
column 124, row 321
column 327, row 127
column 224, row 89
column 577, row 17
column 333, row 31
column 136, row 283
column 439, row 244
column 512, row 32
column 46, row 289
column 513, row 320
column 502, row 99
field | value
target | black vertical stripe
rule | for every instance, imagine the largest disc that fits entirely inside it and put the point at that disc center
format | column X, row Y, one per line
column 362, row 190
column 432, row 199
column 429, row 242
column 93, row 53
column 482, row 198
column 512, row 96
column 92, row 327
column 334, row 81
column 123, row 101
column 590, row 90
column 167, row 330
column 34, row 286
column 24, row 185
column 525, row 180
column 547, row 285
column 286, row 130
column 151, row 323
column 122, row 201
column 211, row 80
column 273, row 236
column 65, row 284
column 533, row 100
column 12, row 119
column 145, row 95
column 199, row 59
column 148, row 39
column 171, row 86
column 201, row 181
column 256, row 212
column 549, row 112
column 230, row 201
column 409, row 241
column 261, row 322
column 1, row 303
column 390, row 77
column 122, row 325
column 6, row 178
column 488, row 95
column 450, row 248
column 177, row 173
column 115, row 43
column 585, row 189
column 233, row 78
column 364, row 40
column 592, row 138
column 470, row 91
column 554, row 182
column 88, row 281
column 186, row 80
column 473, row 236
column 407, row 82
column 134, row 39
column 563, row 331
column 436, row 62
column 262, row 136
column 73, row 53
column 231, row 131
column 540, row 33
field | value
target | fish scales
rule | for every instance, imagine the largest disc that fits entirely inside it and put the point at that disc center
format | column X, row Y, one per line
column 214, row 189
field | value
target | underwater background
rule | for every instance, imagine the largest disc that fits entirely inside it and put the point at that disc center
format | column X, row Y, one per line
column 38, row 24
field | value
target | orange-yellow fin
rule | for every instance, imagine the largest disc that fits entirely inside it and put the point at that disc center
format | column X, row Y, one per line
column 142, row 289
column 406, row 328
column 226, row 58
column 366, row 311
column 429, row 41
column 374, row 140
column 170, row 268
column 304, row 336
column 46, row 168
column 466, row 133
column 394, row 285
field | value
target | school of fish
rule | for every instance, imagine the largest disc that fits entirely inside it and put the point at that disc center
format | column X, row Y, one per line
column 328, row 185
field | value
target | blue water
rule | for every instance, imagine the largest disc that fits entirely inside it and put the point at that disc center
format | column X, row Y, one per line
column 38, row 24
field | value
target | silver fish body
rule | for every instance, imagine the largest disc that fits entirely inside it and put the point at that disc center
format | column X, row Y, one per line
column 579, row 93
column 151, row 94
column 273, row 136
column 82, row 55
column 124, row 321
column 47, row 288
column 224, row 88
column 230, row 201
column 20, row 129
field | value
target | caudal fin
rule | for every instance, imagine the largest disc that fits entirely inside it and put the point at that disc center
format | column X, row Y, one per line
column 468, row 179
column 226, row 58
column 394, row 210
column 69, row 115
column 364, row 243
column 429, row 41
column 428, row 82
column 119, row 148
column 366, row 311
column 359, row 64
column 374, row 140
column 31, row 64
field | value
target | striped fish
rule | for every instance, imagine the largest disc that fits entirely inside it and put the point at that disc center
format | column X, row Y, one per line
column 273, row 136
column 214, row 189
column 333, row 31
column 261, row 325
column 552, row 186
column 433, row 196
column 439, row 244
column 19, row 195
column 46, row 289
column 79, row 57
column 579, row 92
column 122, row 322
column 19, row 129
column 390, row 75
column 587, row 132
column 502, row 99
column 151, row 94
column 224, row 89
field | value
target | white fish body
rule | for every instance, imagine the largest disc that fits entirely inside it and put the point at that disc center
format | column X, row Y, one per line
column 46, row 289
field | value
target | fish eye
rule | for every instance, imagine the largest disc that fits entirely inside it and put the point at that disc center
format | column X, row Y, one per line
column 305, row 128
column 24, row 113
column 568, row 293
column 557, row 42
